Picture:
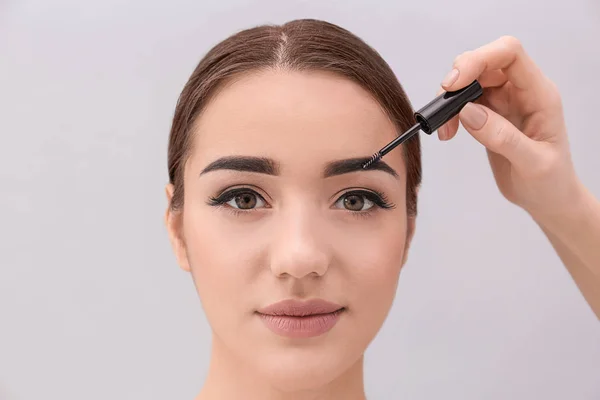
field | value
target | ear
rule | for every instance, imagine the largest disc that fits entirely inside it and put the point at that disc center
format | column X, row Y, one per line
column 174, row 223
column 411, row 226
column 410, row 232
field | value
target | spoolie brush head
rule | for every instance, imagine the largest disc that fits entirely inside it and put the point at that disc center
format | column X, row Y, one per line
column 371, row 160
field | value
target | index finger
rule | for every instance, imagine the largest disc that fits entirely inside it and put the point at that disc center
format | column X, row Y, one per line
column 506, row 54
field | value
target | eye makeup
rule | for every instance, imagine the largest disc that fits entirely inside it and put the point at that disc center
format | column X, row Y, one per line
column 378, row 198
column 234, row 194
column 246, row 199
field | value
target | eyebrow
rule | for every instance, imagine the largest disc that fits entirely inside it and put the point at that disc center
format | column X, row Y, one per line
column 262, row 165
column 356, row 164
column 259, row 165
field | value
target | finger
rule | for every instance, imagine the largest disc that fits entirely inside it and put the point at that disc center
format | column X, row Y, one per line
column 498, row 135
column 449, row 129
column 452, row 128
column 506, row 54
column 498, row 100
column 492, row 79
column 489, row 79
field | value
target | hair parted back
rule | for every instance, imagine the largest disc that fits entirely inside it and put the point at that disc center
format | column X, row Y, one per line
column 298, row 45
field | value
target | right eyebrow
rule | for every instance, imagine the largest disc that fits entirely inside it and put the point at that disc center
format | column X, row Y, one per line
column 260, row 165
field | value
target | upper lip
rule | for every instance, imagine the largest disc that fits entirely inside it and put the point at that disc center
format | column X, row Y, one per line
column 297, row 308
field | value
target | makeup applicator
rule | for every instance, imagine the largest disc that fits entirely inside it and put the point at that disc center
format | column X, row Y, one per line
column 433, row 115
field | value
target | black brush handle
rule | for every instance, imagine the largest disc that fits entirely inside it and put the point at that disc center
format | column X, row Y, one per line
column 448, row 104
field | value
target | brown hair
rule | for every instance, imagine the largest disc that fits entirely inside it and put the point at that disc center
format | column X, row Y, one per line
column 297, row 45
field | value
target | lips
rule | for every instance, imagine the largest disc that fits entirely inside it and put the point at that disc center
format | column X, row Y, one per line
column 301, row 319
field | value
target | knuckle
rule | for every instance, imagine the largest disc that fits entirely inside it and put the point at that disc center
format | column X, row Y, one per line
column 504, row 138
column 458, row 59
column 496, row 139
column 512, row 43
column 555, row 101
column 554, row 98
column 545, row 165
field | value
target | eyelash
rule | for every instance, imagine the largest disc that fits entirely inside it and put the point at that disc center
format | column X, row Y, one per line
column 379, row 200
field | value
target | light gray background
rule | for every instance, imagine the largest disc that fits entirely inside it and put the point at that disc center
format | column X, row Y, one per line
column 92, row 303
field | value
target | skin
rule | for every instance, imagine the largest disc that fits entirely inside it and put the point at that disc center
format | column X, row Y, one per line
column 521, row 123
column 301, row 243
column 305, row 246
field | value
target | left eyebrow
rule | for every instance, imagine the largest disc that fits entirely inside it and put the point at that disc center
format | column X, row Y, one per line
column 346, row 166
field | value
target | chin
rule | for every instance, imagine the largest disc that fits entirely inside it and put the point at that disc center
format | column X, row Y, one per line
column 297, row 367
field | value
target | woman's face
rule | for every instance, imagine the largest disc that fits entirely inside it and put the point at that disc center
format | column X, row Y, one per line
column 273, row 212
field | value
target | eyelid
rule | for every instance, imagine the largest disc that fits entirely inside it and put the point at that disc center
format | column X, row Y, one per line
column 225, row 196
column 234, row 193
column 241, row 187
column 342, row 192
column 379, row 198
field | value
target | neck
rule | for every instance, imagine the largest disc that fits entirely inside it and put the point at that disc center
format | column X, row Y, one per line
column 230, row 379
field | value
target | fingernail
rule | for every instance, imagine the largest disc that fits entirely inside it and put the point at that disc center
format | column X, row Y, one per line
column 443, row 132
column 473, row 115
column 450, row 78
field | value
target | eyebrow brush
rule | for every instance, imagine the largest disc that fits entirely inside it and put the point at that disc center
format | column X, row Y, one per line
column 433, row 115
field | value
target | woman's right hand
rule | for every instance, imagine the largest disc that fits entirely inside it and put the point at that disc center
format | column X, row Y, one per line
column 519, row 119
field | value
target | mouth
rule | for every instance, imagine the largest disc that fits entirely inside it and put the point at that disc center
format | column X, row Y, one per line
column 301, row 319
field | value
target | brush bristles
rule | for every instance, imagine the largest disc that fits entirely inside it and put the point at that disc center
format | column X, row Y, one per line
column 374, row 158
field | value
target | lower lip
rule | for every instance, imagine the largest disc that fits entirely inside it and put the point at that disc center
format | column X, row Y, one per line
column 301, row 327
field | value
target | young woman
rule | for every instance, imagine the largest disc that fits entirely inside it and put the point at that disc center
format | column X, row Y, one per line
column 296, row 251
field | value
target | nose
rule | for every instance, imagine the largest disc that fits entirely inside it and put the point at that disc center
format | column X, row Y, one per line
column 299, row 249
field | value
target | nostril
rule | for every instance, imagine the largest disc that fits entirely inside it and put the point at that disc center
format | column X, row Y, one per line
column 299, row 264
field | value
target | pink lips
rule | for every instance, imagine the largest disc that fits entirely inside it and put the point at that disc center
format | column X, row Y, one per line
column 301, row 319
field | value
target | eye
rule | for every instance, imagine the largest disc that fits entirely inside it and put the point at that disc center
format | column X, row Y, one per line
column 239, row 198
column 356, row 201
column 246, row 201
column 363, row 201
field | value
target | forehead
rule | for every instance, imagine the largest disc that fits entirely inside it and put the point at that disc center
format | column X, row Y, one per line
column 298, row 118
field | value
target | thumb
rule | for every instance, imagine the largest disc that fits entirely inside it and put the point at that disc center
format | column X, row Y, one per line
column 497, row 134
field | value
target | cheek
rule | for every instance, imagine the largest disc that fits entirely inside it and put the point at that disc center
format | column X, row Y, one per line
column 373, row 259
column 374, row 249
column 224, row 263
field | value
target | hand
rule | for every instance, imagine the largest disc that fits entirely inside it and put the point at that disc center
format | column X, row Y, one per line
column 520, row 121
